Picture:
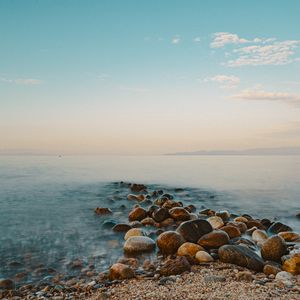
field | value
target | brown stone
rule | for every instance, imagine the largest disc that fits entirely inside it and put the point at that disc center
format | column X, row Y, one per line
column 160, row 215
column 188, row 249
column 214, row 239
column 273, row 248
column 175, row 266
column 121, row 227
column 102, row 211
column 289, row 236
column 179, row 214
column 137, row 214
column 292, row 264
column 120, row 271
column 168, row 242
column 232, row 231
column 139, row 244
column 255, row 223
column 271, row 268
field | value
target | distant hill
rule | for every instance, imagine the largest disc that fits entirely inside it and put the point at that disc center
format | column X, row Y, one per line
column 256, row 151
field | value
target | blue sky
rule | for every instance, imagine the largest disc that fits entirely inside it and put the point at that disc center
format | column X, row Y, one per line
column 147, row 77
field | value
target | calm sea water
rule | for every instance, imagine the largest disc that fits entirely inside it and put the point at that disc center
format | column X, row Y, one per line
column 47, row 202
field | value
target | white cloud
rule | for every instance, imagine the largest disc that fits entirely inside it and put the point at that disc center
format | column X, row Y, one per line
column 22, row 81
column 226, row 81
column 176, row 40
column 258, row 94
column 223, row 38
column 197, row 39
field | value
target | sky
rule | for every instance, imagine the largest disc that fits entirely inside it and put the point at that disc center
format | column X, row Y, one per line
column 148, row 77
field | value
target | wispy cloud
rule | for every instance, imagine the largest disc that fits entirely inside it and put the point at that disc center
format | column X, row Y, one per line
column 258, row 94
column 22, row 81
column 226, row 81
column 197, row 39
column 176, row 40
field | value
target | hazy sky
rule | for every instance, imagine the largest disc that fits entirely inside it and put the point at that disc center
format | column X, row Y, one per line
column 148, row 77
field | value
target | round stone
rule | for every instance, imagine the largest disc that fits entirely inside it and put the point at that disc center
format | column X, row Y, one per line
column 133, row 232
column 179, row 214
column 279, row 227
column 214, row 239
column 292, row 264
column 160, row 215
column 189, row 249
column 121, row 227
column 289, row 236
column 137, row 244
column 259, row 236
column 273, row 248
column 137, row 214
column 168, row 242
column 216, row 222
column 202, row 256
column 232, row 231
column 120, row 271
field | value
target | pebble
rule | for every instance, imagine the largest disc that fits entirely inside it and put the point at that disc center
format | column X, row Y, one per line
column 169, row 241
column 202, row 256
column 273, row 248
column 216, row 222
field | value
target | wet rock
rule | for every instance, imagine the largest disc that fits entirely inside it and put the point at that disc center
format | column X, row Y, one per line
column 214, row 239
column 169, row 242
column 190, row 208
column 244, row 276
column 129, row 261
column 240, row 219
column 241, row 256
column 216, row 222
column 137, row 188
column 167, row 222
column 168, row 204
column 278, row 227
column 240, row 225
column 188, row 249
column 243, row 242
column 137, row 214
column 207, row 212
column 273, row 248
column 232, row 231
column 193, row 230
column 121, row 227
column 138, row 244
column 259, row 236
column 271, row 268
column 289, row 236
column 120, row 271
column 6, row 284
column 109, row 224
column 175, row 266
column 160, row 215
column 255, row 223
column 292, row 264
column 179, row 214
column 266, row 222
column 138, row 198
column 133, row 232
column 136, row 224
column 152, row 209
column 102, row 211
column 203, row 256
column 148, row 222
column 224, row 215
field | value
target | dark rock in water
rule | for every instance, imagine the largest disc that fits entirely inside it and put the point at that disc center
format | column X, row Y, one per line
column 224, row 215
column 207, row 212
column 120, row 271
column 255, row 223
column 179, row 214
column 6, row 284
column 190, row 208
column 137, row 214
column 152, row 209
column 214, row 239
column 15, row 264
column 136, row 188
column 102, row 211
column 171, row 204
column 266, row 222
column 109, row 224
column 241, row 256
column 136, row 224
column 248, row 217
column 193, row 230
column 273, row 248
column 298, row 215
column 160, row 215
column 168, row 242
column 138, row 244
column 121, row 227
column 168, row 196
column 279, row 227
column 175, row 266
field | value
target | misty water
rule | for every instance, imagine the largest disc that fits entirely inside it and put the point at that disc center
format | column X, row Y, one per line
column 47, row 202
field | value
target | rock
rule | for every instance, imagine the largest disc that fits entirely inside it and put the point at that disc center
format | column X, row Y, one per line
column 102, row 211
column 175, row 266
column 148, row 222
column 259, row 236
column 214, row 239
column 190, row 208
column 232, row 231
column 139, row 198
column 137, row 214
column 152, row 209
column 278, row 227
column 283, row 276
column 109, row 224
column 136, row 224
column 6, row 284
column 214, row 278
column 168, row 204
column 241, row 256
column 188, row 249
column 244, row 242
column 216, row 222
column 193, row 216
column 133, row 232
column 224, row 215
column 121, row 227
column 202, row 256
column 292, row 264
column 129, row 261
column 271, row 268
column 179, row 214
column 207, row 212
column 138, row 244
column 240, row 219
column 244, row 276
column 289, row 236
column 136, row 188
column 167, row 222
column 273, row 248
column 266, row 222
column 160, row 215
column 168, row 242
column 193, row 230
column 120, row 271
column 255, row 223
column 240, row 225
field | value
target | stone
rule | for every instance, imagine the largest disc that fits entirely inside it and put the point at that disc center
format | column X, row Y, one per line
column 214, row 239
column 137, row 188
column 121, row 227
column 168, row 242
column 6, row 284
column 129, row 261
column 148, row 222
column 120, row 271
column 259, row 236
column 244, row 276
column 224, row 215
column 193, row 230
column 188, row 249
column 109, row 224
column 207, row 212
column 137, row 214
column 240, row 219
column 216, row 222
column 175, row 266
column 133, row 232
column 283, row 276
column 168, row 204
column 191, row 208
column 102, row 211
column 255, row 223
column 203, row 256
column 160, row 215
column 278, row 227
column 292, row 264
column 289, row 236
column 138, row 198
column 273, row 248
column 241, row 256
column 271, row 268
column 179, row 214
column 240, row 225
column 214, row 278
column 136, row 224
column 138, row 244
column 232, row 231
column 167, row 222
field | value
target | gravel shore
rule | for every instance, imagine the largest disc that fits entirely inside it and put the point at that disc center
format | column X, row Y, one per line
column 210, row 281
